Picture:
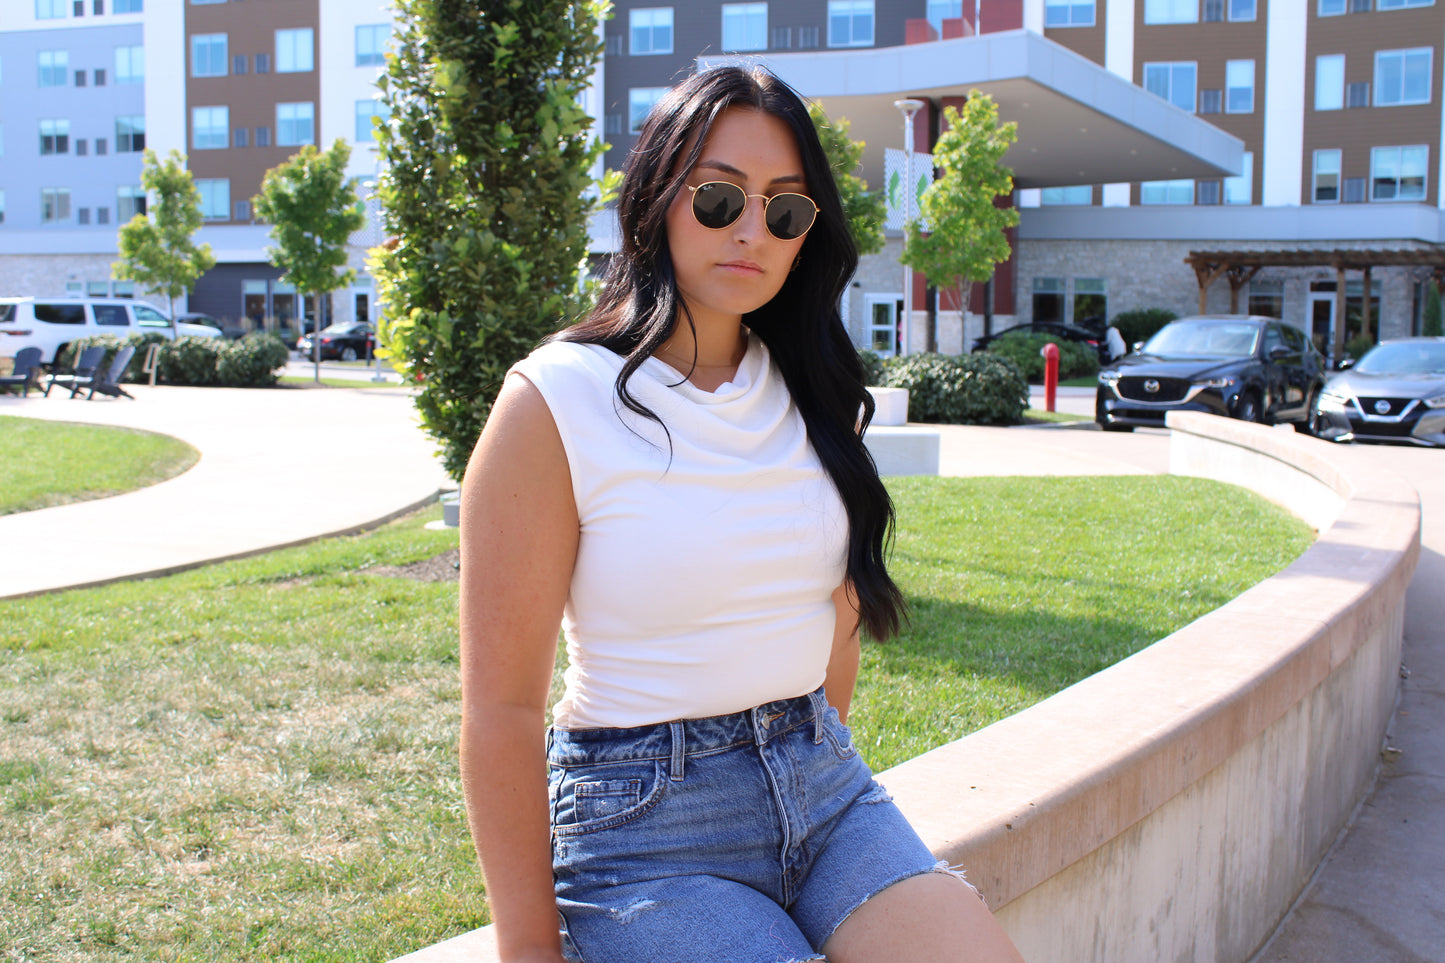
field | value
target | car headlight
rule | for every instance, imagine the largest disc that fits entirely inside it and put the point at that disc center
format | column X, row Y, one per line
column 1333, row 400
column 1110, row 378
column 1435, row 401
column 1216, row 383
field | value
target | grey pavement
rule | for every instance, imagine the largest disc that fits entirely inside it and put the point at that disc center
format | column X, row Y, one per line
column 286, row 466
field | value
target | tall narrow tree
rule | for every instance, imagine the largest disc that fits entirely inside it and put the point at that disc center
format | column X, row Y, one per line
column 312, row 208
column 486, row 191
column 965, row 237
column 864, row 210
column 155, row 248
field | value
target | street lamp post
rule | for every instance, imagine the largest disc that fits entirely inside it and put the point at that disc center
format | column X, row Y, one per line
column 909, row 107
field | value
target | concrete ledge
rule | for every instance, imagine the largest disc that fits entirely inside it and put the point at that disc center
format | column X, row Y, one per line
column 890, row 406
column 910, row 450
column 1173, row 805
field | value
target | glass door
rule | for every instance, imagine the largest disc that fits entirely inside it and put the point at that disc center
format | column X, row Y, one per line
column 1322, row 322
column 884, row 311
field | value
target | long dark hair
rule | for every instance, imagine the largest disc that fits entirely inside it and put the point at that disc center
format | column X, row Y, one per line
column 639, row 303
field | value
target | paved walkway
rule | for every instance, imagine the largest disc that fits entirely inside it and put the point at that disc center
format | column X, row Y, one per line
column 280, row 467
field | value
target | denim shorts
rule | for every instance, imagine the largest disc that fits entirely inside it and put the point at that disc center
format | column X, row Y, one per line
column 746, row 837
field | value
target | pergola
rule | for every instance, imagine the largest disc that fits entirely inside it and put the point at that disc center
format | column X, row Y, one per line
column 1239, row 266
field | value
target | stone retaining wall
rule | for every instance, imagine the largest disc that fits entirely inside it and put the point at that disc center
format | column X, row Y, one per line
column 1172, row 806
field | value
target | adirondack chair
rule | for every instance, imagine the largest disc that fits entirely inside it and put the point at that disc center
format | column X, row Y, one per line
column 81, row 375
column 107, row 382
column 26, row 372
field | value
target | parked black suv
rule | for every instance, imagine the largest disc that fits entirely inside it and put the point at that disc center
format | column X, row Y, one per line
column 1251, row 368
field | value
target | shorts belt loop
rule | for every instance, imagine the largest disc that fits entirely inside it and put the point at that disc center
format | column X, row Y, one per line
column 820, row 706
column 679, row 751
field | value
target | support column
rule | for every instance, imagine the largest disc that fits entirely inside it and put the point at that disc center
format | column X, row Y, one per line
column 1365, row 310
column 1339, row 313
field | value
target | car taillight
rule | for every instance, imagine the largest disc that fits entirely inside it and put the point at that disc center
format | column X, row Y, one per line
column 13, row 331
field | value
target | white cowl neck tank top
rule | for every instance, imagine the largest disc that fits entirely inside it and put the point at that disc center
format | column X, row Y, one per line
column 705, row 570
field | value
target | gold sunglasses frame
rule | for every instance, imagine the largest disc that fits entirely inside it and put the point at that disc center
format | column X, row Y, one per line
column 746, row 198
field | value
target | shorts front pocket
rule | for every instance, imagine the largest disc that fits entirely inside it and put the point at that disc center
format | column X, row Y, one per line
column 592, row 798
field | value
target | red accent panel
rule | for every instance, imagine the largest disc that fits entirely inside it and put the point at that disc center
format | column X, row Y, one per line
column 955, row 27
column 918, row 30
column 995, row 15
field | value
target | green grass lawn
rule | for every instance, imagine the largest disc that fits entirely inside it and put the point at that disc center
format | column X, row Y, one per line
column 1039, row 414
column 257, row 760
column 308, row 381
column 53, row 463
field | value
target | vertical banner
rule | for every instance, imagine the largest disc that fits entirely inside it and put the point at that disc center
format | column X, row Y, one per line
column 893, row 174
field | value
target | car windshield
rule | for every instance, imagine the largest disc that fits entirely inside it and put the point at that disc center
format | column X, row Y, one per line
column 341, row 327
column 1404, row 358
column 1204, row 339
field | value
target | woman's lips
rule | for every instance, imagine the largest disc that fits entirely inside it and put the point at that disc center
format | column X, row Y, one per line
column 741, row 267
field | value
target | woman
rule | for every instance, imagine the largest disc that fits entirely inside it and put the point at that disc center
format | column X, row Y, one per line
column 680, row 481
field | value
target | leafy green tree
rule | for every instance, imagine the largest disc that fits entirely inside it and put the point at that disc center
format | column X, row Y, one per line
column 864, row 210
column 1431, row 324
column 487, row 193
column 156, row 249
column 966, row 230
column 312, row 209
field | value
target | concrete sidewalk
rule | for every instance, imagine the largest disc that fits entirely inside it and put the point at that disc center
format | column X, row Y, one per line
column 277, row 467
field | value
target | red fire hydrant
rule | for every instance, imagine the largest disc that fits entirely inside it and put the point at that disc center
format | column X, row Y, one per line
column 1050, row 352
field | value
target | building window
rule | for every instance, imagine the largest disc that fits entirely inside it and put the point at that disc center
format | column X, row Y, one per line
column 1354, row 192
column 1206, row 193
column 102, row 215
column 1241, row 10
column 50, row 10
column 1049, row 299
column 55, row 137
column 210, row 128
column 640, row 101
column 130, row 134
column 1330, row 82
column 80, row 78
column 1402, row 4
column 197, row 3
column 263, row 137
column 81, row 147
column 1213, row 11
column 130, row 200
column 129, row 6
column 1239, row 87
column 100, row 146
column 808, row 38
column 782, row 38
column 215, row 199
column 1331, row 8
column 941, row 10
column 82, row 216
column 371, row 44
column 1211, row 101
column 1327, row 177
column 241, row 137
column 1068, row 13
column 1091, row 300
column 54, row 67
column 130, row 64
column 1266, row 299
column 650, row 30
column 744, row 26
column 1175, row 82
column 295, row 124
column 294, row 51
column 97, row 289
column 1240, row 189
column 1171, row 11
column 242, row 211
column 1357, row 94
column 263, row 63
column 100, row 76
column 850, row 23
column 208, row 55
column 1082, row 194
column 1402, row 77
column 54, row 205
column 1398, row 173
column 365, row 111
column 240, row 64
column 1166, row 192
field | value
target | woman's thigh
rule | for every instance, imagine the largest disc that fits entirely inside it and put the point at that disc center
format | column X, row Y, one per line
column 683, row 919
column 930, row 918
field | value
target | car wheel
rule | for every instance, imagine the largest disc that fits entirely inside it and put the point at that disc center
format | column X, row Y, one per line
column 1247, row 408
column 1311, row 423
column 348, row 353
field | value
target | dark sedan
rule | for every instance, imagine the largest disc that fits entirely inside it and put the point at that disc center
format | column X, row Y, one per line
column 341, row 342
column 1064, row 332
column 1396, row 392
column 1254, row 369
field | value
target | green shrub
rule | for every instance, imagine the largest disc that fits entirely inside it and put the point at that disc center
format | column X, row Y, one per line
column 977, row 389
column 1432, row 324
column 1076, row 360
column 873, row 372
column 1358, row 345
column 191, row 361
column 254, row 361
column 1141, row 325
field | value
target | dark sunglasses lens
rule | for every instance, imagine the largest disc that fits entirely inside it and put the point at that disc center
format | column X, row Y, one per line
column 790, row 216
column 718, row 204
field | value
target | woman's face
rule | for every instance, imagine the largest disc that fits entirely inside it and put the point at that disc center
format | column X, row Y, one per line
column 724, row 274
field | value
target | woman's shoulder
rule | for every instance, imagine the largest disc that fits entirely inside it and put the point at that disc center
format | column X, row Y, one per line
column 569, row 361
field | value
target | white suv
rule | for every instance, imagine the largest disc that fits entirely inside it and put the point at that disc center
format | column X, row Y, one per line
column 52, row 323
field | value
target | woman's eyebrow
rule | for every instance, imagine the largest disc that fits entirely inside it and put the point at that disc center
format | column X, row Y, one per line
column 726, row 168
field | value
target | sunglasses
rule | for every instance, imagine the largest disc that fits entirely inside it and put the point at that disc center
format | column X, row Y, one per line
column 718, row 204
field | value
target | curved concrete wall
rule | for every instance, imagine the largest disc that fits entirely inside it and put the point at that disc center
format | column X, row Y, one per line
column 1172, row 806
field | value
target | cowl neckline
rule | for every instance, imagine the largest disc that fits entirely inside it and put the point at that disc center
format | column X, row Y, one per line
column 750, row 377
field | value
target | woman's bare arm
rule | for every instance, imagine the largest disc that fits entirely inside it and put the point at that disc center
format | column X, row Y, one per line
column 518, row 548
column 843, row 662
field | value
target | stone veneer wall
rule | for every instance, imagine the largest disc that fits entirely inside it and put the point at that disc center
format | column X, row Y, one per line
column 45, row 275
column 1152, row 274
column 882, row 273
